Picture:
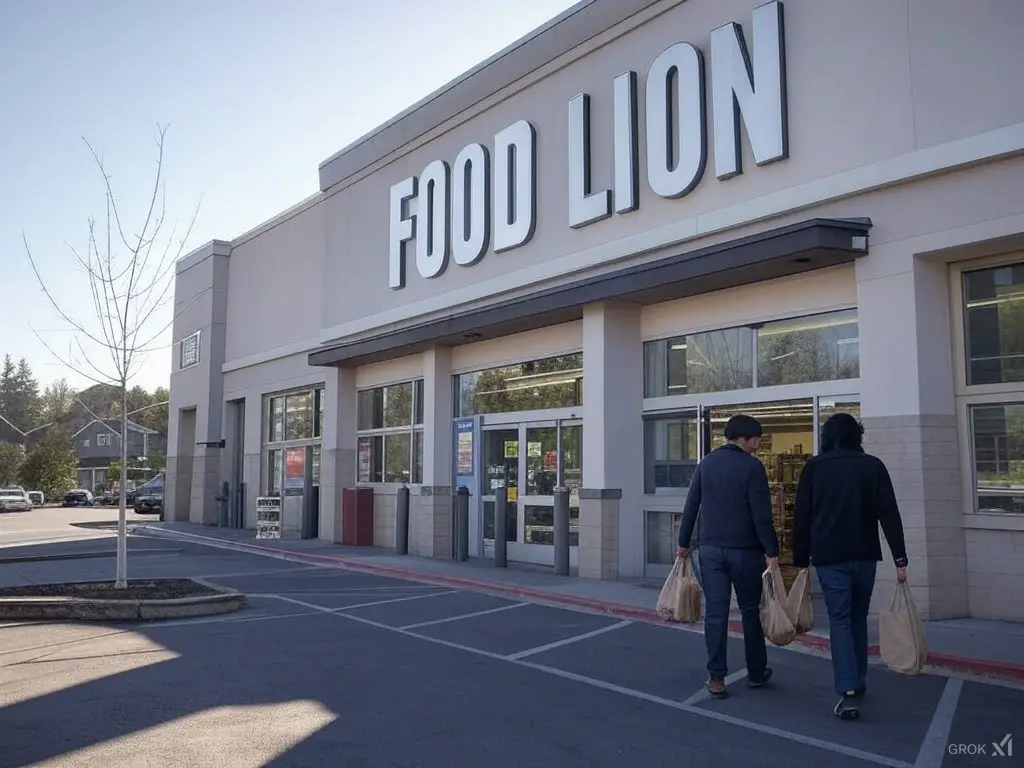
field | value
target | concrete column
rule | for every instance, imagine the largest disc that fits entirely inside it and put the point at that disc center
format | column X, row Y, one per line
column 909, row 414
column 430, row 510
column 611, row 522
column 252, row 462
column 338, row 456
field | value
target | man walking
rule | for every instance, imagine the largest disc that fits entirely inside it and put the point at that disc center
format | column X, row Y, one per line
column 843, row 495
column 730, row 491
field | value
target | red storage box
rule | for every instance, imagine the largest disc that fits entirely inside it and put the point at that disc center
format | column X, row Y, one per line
column 357, row 517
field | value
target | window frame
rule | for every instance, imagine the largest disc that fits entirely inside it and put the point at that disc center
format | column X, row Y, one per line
column 268, row 445
column 417, row 410
column 968, row 395
column 103, row 440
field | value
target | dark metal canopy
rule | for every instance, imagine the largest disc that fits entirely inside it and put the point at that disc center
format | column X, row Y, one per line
column 789, row 250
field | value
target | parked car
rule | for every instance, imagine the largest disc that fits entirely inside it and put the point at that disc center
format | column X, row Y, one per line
column 14, row 500
column 79, row 497
column 36, row 498
column 149, row 497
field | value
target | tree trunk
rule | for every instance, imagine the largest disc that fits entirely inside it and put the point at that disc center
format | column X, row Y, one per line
column 122, row 517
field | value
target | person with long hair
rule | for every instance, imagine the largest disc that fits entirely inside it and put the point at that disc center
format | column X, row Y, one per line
column 843, row 495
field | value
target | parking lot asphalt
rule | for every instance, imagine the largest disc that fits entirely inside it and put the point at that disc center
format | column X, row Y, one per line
column 336, row 668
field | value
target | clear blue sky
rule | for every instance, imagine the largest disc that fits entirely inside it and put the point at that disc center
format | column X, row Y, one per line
column 257, row 93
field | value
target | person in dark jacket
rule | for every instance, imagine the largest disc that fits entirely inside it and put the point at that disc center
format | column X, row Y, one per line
column 730, row 492
column 843, row 495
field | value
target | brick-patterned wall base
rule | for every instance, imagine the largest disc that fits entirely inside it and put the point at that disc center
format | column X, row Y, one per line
column 922, row 455
column 599, row 534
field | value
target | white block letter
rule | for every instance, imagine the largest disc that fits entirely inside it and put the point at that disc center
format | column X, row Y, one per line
column 471, row 217
column 515, row 186
column 676, row 79
column 584, row 207
column 756, row 90
column 402, row 229
column 433, row 216
column 627, row 178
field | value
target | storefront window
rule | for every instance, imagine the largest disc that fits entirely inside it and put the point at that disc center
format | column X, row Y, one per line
column 670, row 453
column 994, row 324
column 292, row 421
column 556, row 382
column 701, row 362
column 390, row 433
column 815, row 348
column 997, row 440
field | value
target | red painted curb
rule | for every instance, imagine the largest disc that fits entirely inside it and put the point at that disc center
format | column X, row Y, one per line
column 982, row 667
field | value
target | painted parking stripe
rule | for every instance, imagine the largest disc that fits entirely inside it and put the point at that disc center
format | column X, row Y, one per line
column 462, row 616
column 324, row 608
column 229, row 619
column 703, row 695
column 798, row 738
column 567, row 641
column 933, row 748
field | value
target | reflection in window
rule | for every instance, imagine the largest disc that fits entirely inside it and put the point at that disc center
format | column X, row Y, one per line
column 997, row 437
column 390, row 435
column 662, row 537
column 814, row 348
column 670, row 453
column 299, row 416
column 275, row 429
column 715, row 361
column 275, row 469
column 994, row 324
column 556, row 382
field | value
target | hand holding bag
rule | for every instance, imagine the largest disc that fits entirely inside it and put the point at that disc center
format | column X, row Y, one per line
column 798, row 603
column 775, row 622
column 901, row 640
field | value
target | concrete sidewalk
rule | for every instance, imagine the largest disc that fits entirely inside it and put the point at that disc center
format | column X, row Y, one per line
column 971, row 646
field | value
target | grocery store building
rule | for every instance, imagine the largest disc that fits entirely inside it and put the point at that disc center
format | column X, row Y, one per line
column 573, row 263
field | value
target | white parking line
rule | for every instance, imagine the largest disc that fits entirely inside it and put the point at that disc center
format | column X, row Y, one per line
column 325, row 609
column 464, row 616
column 282, row 572
column 798, row 738
column 933, row 748
column 566, row 641
column 228, row 619
column 703, row 694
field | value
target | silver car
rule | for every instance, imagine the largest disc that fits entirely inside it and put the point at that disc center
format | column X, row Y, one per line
column 14, row 500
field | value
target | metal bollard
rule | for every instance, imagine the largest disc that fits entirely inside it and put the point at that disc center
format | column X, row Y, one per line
column 500, row 524
column 462, row 524
column 561, row 531
column 402, row 522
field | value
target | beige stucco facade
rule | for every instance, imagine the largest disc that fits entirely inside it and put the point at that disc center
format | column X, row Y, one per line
column 885, row 120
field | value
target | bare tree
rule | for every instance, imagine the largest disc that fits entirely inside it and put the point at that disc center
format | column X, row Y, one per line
column 130, row 276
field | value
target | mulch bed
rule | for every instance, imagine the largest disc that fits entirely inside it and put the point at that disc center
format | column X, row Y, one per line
column 164, row 589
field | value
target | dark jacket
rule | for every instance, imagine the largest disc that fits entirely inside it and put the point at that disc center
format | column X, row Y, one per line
column 730, row 491
column 842, row 497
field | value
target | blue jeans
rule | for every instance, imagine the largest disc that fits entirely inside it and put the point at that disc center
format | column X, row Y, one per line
column 847, row 589
column 723, row 570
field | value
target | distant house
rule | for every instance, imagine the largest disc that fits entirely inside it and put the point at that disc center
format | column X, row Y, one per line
column 99, row 442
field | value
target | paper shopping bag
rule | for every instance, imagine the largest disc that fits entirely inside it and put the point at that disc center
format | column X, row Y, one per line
column 798, row 603
column 774, row 620
column 901, row 640
column 687, row 608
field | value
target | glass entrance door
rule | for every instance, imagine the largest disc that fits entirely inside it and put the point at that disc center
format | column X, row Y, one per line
column 530, row 460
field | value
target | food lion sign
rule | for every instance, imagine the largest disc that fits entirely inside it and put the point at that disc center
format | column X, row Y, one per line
column 479, row 203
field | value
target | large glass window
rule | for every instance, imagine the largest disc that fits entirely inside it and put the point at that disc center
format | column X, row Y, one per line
column 291, row 421
column 390, row 433
column 670, row 452
column 997, row 442
column 701, row 362
column 815, row 348
column 555, row 382
column 821, row 347
column 994, row 324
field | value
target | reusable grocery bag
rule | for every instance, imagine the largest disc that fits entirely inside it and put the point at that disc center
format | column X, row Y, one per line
column 680, row 596
column 901, row 641
column 775, row 621
column 798, row 603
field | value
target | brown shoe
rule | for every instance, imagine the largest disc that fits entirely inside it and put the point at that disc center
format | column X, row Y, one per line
column 716, row 688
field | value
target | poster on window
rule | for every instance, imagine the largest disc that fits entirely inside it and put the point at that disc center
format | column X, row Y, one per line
column 464, row 451
column 294, row 471
column 365, row 457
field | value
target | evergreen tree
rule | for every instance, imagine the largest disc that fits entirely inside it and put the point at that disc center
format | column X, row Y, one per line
column 27, row 396
column 11, row 459
column 8, row 392
column 57, row 401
